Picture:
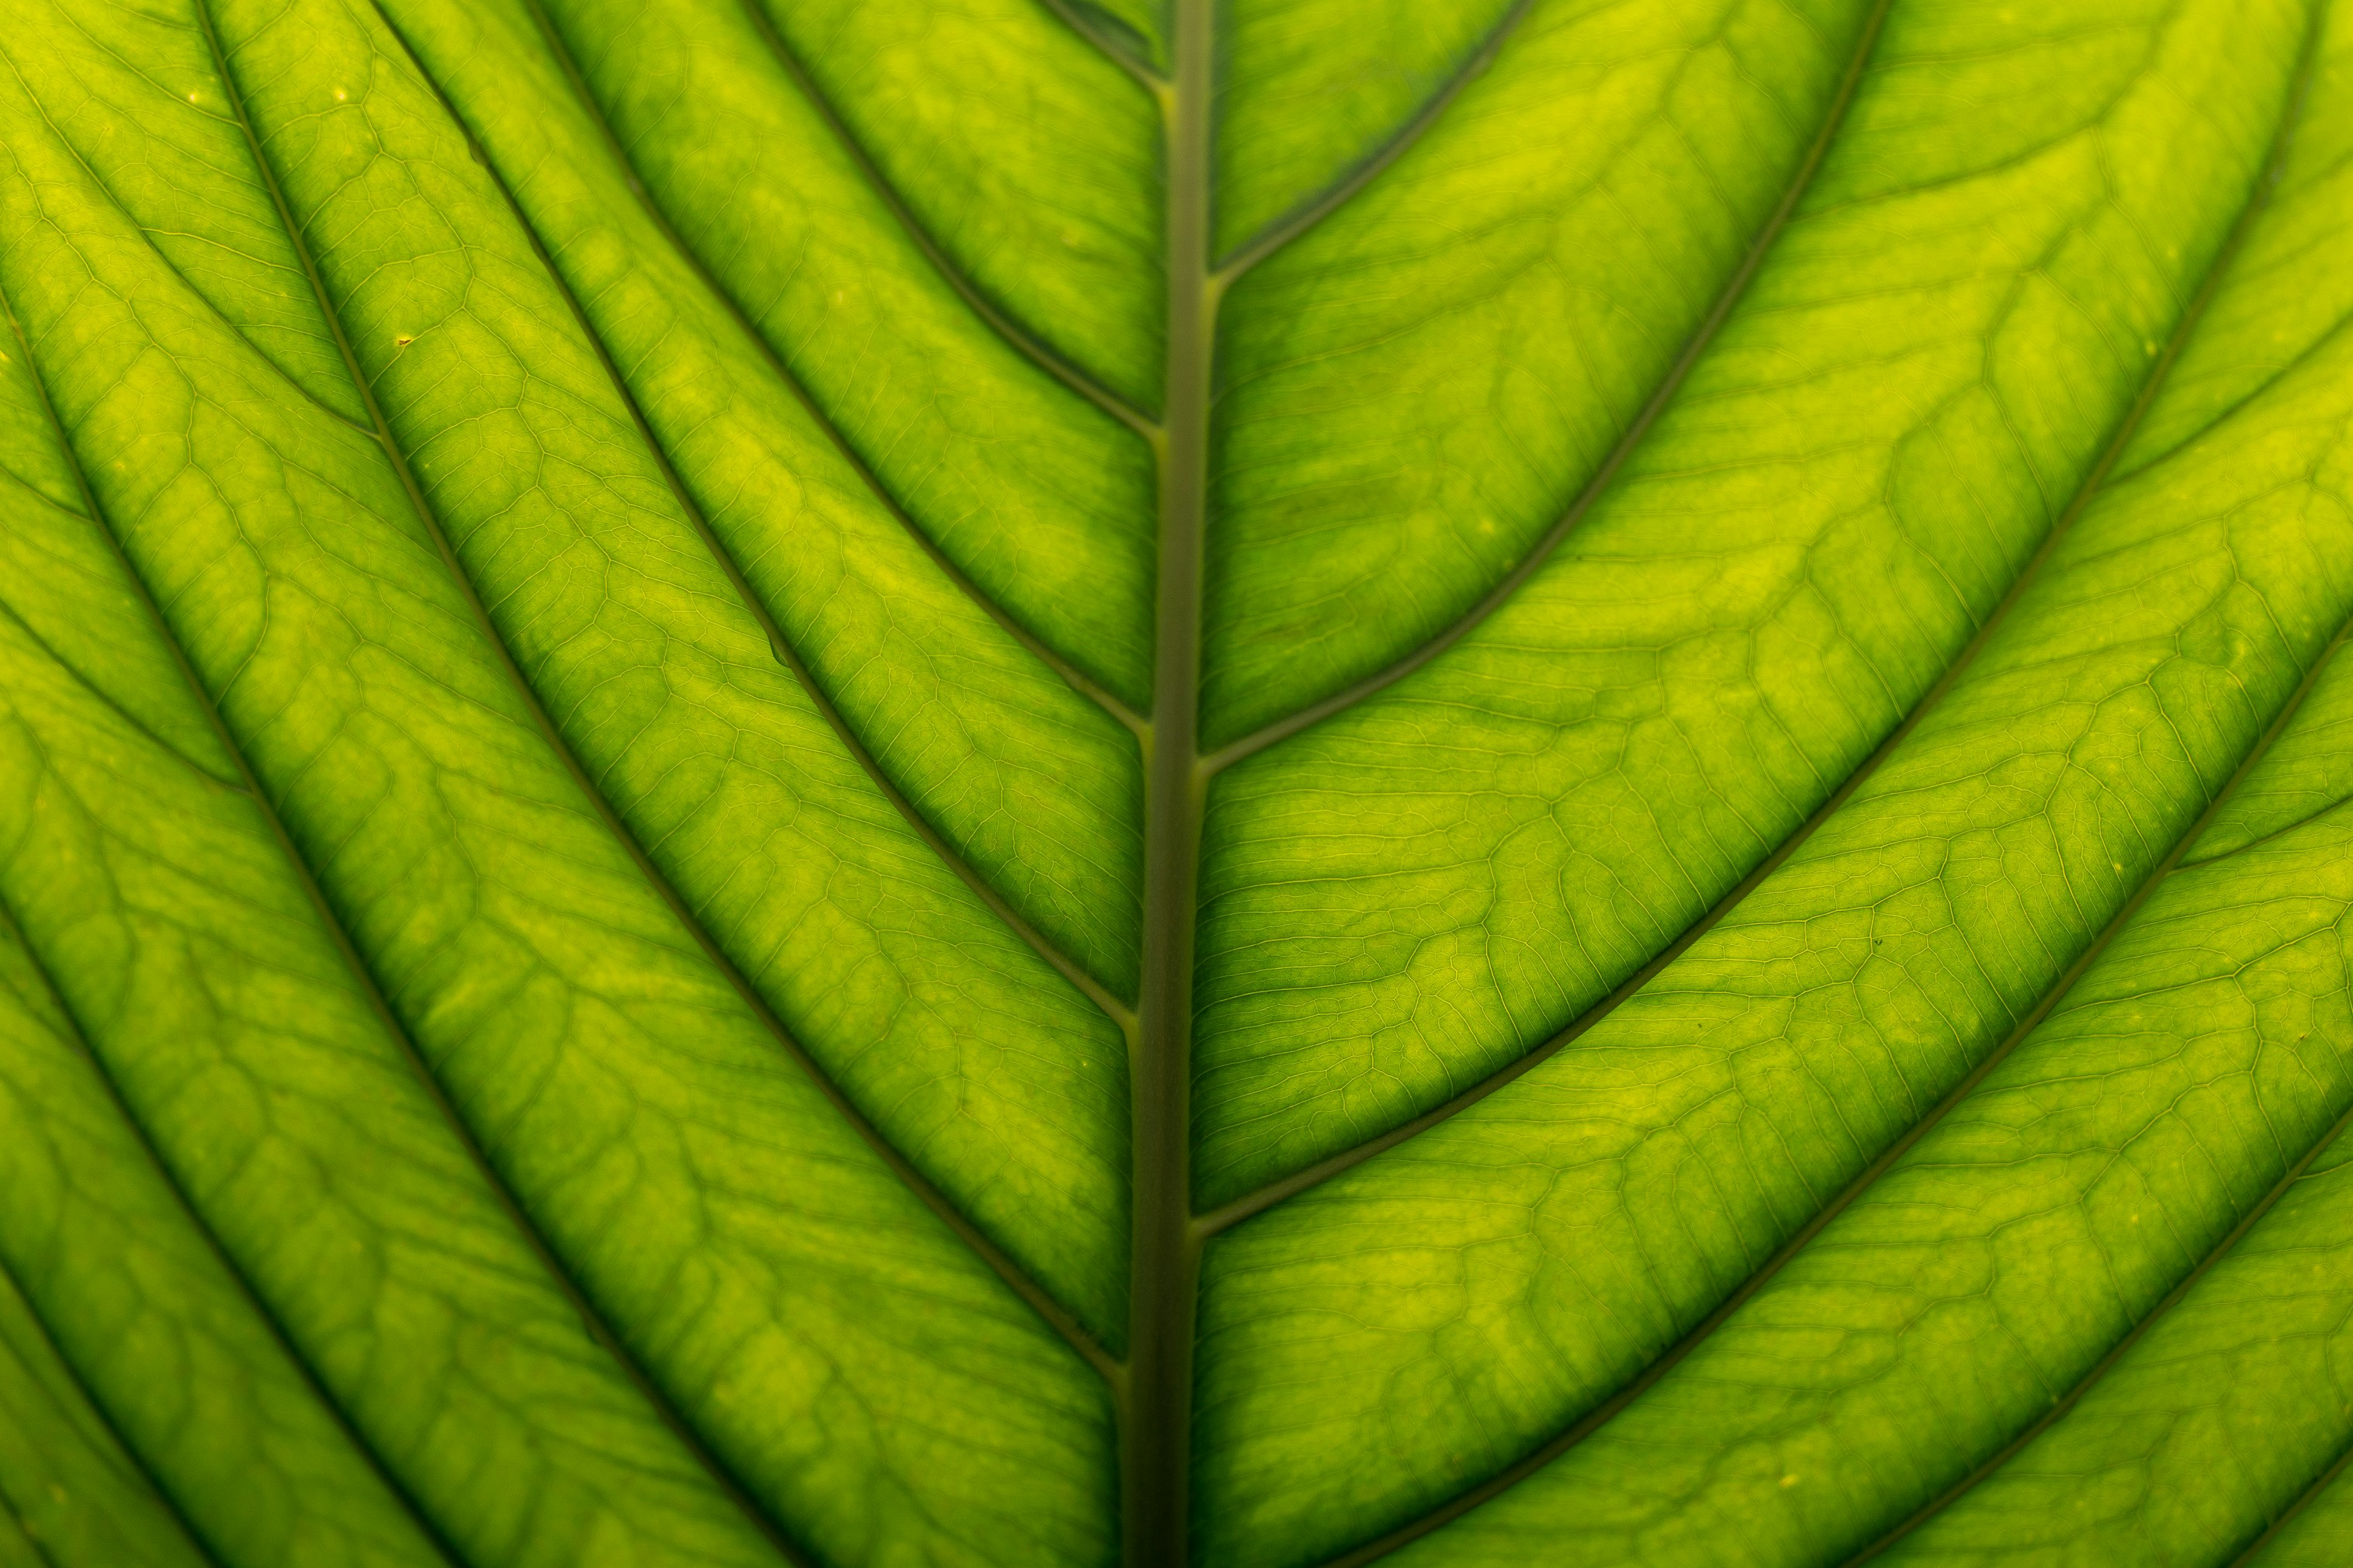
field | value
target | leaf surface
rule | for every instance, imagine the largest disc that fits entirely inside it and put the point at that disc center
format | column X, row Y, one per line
column 1275, row 783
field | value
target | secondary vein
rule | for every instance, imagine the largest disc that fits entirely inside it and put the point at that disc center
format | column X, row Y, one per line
column 2116, row 1353
column 2304, row 1500
column 1277, row 1191
column 12, row 928
column 14, row 618
column 333, row 925
column 1320, row 205
column 1601, row 1414
column 1496, row 597
column 2093, row 482
column 1084, row 685
column 1142, row 70
column 778, row 643
column 716, row 1470
column 1020, row 338
column 1056, row 1316
column 39, row 1548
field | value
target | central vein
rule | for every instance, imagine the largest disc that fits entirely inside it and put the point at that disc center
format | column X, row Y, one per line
column 1157, row 1403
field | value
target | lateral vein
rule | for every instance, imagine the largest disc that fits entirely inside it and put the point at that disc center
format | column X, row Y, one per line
column 559, row 1272
column 331, row 923
column 1078, row 681
column 779, row 644
column 1276, row 1192
column 1567, row 524
column 2210, row 283
column 2304, row 1499
column 1038, row 1298
column 1601, row 1414
column 1018, row 338
column 169, row 262
column 2116, row 1353
column 10, row 927
column 39, row 1548
column 1314, row 208
column 1145, row 73
column 98, row 694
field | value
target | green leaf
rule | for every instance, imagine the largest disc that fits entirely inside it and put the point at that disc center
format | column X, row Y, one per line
column 1257, row 782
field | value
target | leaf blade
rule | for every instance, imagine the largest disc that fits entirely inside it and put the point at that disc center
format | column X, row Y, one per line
column 1638, row 1111
column 469, row 981
column 617, row 777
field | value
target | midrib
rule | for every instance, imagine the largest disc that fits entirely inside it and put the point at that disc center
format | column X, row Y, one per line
column 1155, row 1402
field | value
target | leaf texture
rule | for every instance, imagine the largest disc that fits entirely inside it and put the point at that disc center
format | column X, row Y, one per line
column 1258, row 782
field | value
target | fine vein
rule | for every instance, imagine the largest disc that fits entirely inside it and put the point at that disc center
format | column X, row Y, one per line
column 1683, row 1349
column 330, row 921
column 778, row 643
column 107, row 699
column 1497, row 596
column 1276, row 1192
column 2216, row 269
column 1017, row 337
column 1320, row 205
column 11, row 929
column 2304, row 1499
column 2093, row 482
column 2100, row 1369
column 1077, row 681
column 716, row 1470
column 1056, row 1316
column 1109, row 44
column 722, row 1476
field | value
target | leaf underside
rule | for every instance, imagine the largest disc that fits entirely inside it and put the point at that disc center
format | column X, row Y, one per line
column 1253, row 781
